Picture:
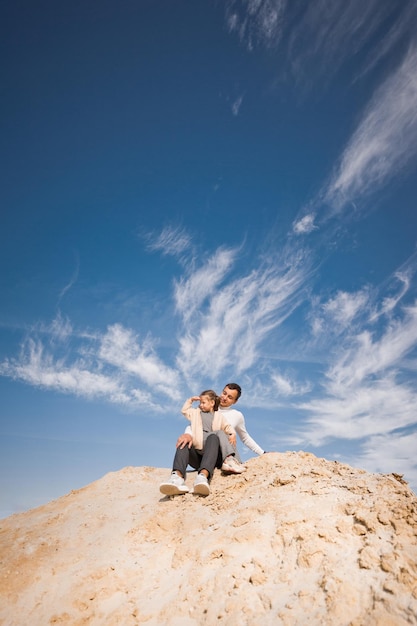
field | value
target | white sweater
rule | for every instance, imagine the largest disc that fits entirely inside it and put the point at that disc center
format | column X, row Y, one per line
column 237, row 421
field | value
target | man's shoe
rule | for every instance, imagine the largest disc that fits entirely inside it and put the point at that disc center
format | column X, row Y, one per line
column 201, row 485
column 175, row 486
column 231, row 466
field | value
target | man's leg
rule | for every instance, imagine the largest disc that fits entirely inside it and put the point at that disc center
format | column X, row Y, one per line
column 226, row 447
column 231, row 464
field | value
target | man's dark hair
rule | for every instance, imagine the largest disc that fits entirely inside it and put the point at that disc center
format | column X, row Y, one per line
column 237, row 387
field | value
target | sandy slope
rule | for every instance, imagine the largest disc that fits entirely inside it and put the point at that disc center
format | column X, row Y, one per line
column 295, row 540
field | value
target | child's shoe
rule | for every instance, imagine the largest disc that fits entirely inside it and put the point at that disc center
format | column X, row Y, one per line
column 174, row 486
column 201, row 485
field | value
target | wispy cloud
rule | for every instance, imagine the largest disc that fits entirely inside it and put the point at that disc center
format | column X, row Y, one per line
column 305, row 225
column 238, row 316
column 72, row 280
column 59, row 330
column 393, row 452
column 327, row 33
column 398, row 287
column 256, row 22
column 367, row 390
column 401, row 33
column 236, row 104
column 191, row 291
column 172, row 240
column 113, row 367
column 40, row 368
column 321, row 36
column 120, row 347
column 286, row 385
column 336, row 315
column 384, row 141
column 366, row 409
column 369, row 356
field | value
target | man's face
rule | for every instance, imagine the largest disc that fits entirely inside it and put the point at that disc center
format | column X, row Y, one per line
column 228, row 397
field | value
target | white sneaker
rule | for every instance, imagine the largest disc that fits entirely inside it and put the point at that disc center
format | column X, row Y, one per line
column 231, row 466
column 174, row 486
column 201, row 485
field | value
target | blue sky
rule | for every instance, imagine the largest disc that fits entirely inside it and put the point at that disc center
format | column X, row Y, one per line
column 198, row 192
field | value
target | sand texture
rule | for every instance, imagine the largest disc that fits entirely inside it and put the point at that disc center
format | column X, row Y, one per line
column 295, row 540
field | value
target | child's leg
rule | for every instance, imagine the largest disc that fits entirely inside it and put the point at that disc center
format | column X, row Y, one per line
column 212, row 456
column 183, row 457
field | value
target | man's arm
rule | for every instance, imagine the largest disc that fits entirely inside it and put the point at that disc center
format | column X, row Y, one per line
column 246, row 439
column 184, row 440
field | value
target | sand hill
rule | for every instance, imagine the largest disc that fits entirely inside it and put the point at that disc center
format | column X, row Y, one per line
column 295, row 540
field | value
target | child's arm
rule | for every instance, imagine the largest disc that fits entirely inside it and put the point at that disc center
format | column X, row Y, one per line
column 188, row 405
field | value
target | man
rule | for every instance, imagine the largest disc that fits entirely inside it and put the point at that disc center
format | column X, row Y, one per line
column 185, row 453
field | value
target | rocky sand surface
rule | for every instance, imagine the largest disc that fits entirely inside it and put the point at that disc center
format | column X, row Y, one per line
column 295, row 540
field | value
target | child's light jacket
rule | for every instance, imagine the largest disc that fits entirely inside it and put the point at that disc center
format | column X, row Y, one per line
column 219, row 423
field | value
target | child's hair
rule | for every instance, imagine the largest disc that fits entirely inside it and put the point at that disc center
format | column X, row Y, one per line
column 213, row 396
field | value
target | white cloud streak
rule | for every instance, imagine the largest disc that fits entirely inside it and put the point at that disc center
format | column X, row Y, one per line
column 366, row 393
column 120, row 347
column 120, row 370
column 330, row 32
column 286, row 386
column 336, row 314
column 361, row 411
column 173, row 241
column 369, row 357
column 385, row 140
column 39, row 368
column 322, row 35
column 237, row 318
column 72, row 280
column 256, row 22
column 236, row 105
column 402, row 31
column 192, row 291
column 305, row 225
column 387, row 453
column 59, row 330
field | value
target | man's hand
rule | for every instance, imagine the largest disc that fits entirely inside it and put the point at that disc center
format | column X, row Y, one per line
column 184, row 440
column 232, row 439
